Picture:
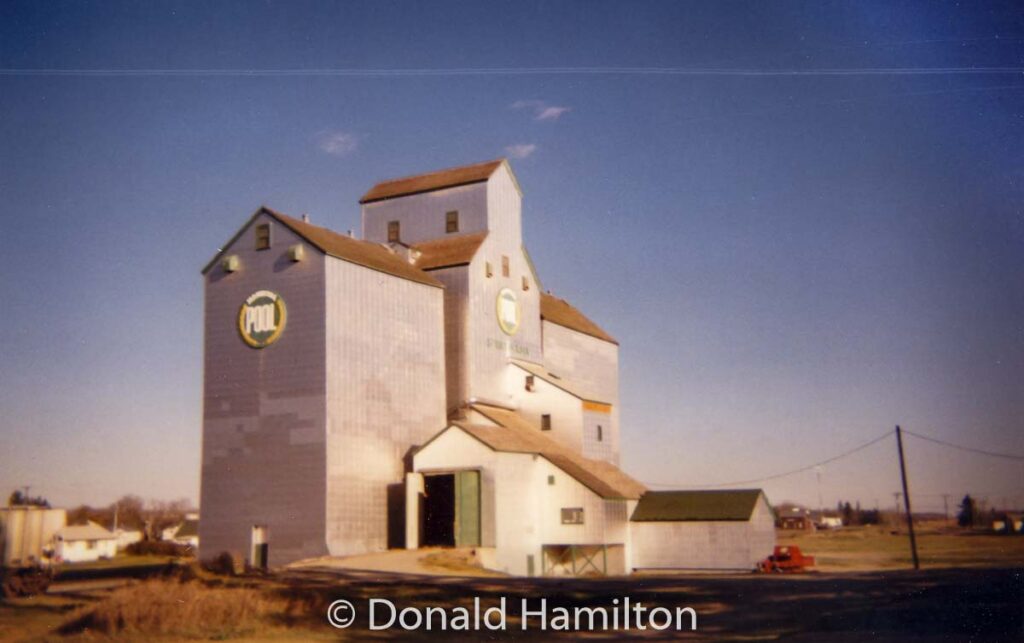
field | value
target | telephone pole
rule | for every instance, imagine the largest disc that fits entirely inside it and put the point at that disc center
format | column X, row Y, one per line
column 906, row 498
column 945, row 505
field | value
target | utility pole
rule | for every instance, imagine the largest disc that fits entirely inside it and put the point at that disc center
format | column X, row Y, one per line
column 821, row 505
column 945, row 505
column 906, row 498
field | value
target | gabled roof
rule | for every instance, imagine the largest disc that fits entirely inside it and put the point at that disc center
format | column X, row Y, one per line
column 88, row 531
column 709, row 505
column 448, row 252
column 364, row 253
column 439, row 180
column 555, row 380
column 558, row 311
column 517, row 435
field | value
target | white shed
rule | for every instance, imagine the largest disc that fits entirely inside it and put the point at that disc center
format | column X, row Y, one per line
column 702, row 530
column 88, row 542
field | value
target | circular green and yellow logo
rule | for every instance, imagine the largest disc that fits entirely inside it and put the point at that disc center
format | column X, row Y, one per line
column 509, row 313
column 261, row 318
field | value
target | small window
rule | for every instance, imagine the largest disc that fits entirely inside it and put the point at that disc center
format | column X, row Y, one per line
column 572, row 516
column 451, row 221
column 490, row 270
column 526, row 284
column 551, row 480
column 600, row 433
column 394, row 231
column 263, row 236
column 529, row 382
column 504, row 266
column 545, row 422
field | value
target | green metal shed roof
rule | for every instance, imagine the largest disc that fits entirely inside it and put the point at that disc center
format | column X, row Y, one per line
column 725, row 504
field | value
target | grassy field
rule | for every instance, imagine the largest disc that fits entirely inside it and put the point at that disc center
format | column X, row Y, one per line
column 875, row 548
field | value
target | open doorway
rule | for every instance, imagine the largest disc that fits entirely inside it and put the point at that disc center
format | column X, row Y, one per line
column 451, row 509
column 260, row 555
column 439, row 510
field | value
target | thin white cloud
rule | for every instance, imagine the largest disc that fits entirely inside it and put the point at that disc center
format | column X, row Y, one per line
column 521, row 150
column 542, row 111
column 551, row 113
column 337, row 143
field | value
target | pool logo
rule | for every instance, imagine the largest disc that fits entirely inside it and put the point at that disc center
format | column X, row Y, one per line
column 509, row 313
column 262, row 318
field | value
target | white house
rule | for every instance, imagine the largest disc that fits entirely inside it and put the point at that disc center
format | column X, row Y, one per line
column 184, row 533
column 81, row 543
column 126, row 537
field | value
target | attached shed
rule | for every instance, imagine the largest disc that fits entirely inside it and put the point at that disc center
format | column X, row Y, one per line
column 702, row 530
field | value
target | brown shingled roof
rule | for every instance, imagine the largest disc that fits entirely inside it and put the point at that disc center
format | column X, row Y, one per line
column 448, row 251
column 449, row 178
column 558, row 311
column 364, row 253
column 517, row 435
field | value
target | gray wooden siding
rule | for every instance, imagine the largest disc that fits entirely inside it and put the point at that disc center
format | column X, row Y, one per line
column 592, row 365
column 422, row 216
column 263, row 409
column 704, row 545
column 385, row 394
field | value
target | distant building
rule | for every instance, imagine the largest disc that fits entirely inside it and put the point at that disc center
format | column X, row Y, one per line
column 1008, row 523
column 829, row 522
column 27, row 533
column 82, row 543
column 184, row 533
column 793, row 517
column 126, row 537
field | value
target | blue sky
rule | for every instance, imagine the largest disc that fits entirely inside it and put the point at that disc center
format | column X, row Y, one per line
column 793, row 261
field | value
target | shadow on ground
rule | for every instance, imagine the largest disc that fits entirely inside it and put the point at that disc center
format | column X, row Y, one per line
column 931, row 605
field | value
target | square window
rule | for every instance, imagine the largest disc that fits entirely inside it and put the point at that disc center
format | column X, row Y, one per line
column 505, row 271
column 394, row 231
column 572, row 516
column 545, row 422
column 551, row 480
column 263, row 236
column 529, row 382
column 451, row 221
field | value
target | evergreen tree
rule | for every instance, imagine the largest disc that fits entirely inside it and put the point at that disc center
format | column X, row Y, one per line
column 966, row 516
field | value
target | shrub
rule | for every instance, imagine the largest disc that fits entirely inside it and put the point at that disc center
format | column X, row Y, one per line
column 164, row 607
column 158, row 548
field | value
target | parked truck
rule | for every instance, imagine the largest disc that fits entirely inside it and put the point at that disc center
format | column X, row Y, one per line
column 26, row 542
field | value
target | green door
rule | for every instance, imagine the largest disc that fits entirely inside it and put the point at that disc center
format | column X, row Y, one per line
column 467, row 509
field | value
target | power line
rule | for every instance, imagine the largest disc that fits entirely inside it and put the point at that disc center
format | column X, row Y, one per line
column 885, row 435
column 522, row 71
column 993, row 454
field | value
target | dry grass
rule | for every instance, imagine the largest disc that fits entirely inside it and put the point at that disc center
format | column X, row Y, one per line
column 877, row 548
column 172, row 608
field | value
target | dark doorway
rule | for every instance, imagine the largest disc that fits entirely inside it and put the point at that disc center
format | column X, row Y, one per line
column 439, row 510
